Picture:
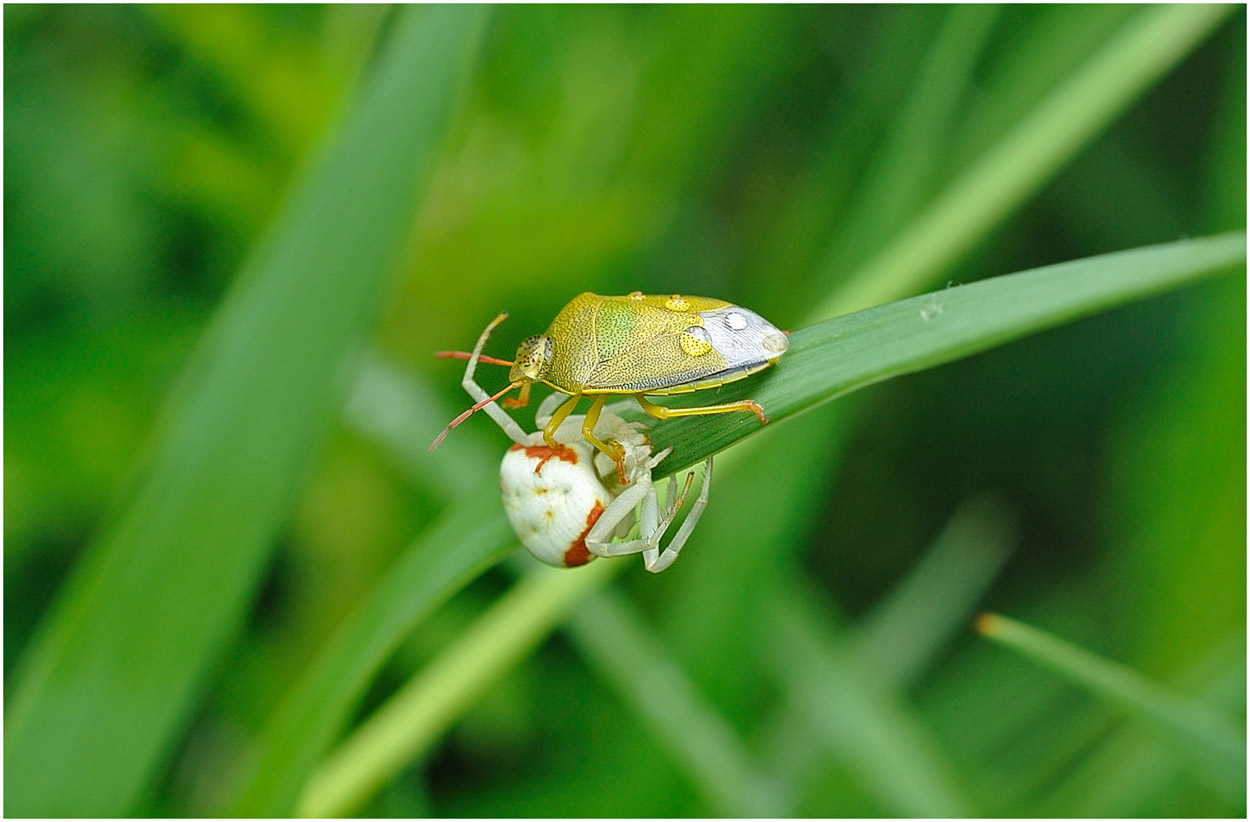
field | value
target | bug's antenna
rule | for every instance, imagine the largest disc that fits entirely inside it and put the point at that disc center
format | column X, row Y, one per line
column 464, row 355
column 469, row 413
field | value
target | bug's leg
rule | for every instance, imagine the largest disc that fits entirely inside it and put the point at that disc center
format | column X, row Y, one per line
column 522, row 398
column 549, row 431
column 611, row 448
column 561, row 413
column 547, row 408
column 664, row 413
column 687, row 528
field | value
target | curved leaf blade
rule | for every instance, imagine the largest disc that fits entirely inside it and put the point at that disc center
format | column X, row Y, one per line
column 849, row 352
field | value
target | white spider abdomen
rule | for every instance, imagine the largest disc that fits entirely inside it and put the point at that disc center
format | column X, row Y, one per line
column 553, row 508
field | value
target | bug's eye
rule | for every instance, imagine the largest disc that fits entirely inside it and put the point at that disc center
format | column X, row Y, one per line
column 531, row 357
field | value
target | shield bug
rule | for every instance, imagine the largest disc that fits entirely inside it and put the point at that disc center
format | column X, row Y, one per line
column 566, row 506
column 643, row 346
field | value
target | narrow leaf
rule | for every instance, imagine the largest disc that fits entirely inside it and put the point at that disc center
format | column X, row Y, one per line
column 857, row 713
column 116, row 669
column 1054, row 131
column 424, row 708
column 1200, row 733
column 471, row 536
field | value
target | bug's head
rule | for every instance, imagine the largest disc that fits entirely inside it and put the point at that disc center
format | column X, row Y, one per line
column 531, row 359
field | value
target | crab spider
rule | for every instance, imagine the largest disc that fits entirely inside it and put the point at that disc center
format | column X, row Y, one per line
column 641, row 493
column 568, row 504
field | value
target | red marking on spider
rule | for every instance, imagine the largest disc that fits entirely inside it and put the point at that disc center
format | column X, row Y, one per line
column 542, row 453
column 578, row 553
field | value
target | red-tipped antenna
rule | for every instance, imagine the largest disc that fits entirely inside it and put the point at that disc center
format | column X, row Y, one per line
column 469, row 413
column 464, row 355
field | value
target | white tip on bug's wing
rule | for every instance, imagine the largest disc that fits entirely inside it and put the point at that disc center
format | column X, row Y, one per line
column 743, row 338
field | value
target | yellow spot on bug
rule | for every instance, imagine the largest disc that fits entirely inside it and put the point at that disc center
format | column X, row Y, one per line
column 676, row 303
column 694, row 341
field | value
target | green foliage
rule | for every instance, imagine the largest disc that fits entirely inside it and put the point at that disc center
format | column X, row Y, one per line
column 151, row 609
column 1212, row 740
column 214, row 606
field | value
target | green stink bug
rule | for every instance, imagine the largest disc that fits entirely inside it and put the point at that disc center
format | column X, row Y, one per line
column 643, row 346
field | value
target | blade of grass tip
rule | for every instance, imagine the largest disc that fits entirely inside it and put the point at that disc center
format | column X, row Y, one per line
column 469, row 537
column 1209, row 739
column 1050, row 136
column 857, row 713
column 616, row 640
column 119, row 662
column 416, row 717
column 1132, row 772
column 922, row 613
column 852, row 351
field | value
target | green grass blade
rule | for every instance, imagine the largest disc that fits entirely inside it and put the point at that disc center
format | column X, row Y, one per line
column 419, row 713
column 920, row 615
column 1053, row 132
column 462, row 544
column 607, row 630
column 914, row 147
column 849, row 352
column 857, row 713
column 1133, row 772
column 116, row 669
column 1209, row 739
column 615, row 638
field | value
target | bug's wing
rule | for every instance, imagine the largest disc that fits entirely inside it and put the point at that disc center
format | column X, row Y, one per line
column 653, row 367
column 639, row 347
column 673, row 352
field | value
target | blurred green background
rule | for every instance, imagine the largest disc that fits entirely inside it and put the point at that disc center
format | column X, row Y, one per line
column 1089, row 480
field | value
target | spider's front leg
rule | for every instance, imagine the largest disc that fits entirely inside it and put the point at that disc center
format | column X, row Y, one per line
column 655, row 561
